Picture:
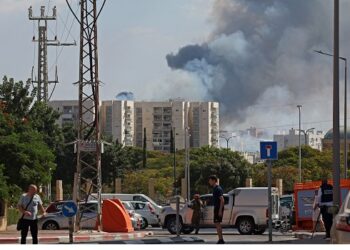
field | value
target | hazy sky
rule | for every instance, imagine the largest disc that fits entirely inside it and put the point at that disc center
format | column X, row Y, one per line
column 134, row 38
column 136, row 35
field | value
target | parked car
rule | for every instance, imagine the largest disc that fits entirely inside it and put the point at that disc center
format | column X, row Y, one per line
column 133, row 197
column 55, row 220
column 54, row 207
column 340, row 231
column 136, row 219
column 148, row 213
column 245, row 209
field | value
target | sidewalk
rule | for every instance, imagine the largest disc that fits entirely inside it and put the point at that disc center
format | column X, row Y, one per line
column 11, row 236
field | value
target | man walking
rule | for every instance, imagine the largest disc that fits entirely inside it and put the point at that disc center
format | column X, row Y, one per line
column 218, row 202
column 196, row 215
column 28, row 205
column 325, row 201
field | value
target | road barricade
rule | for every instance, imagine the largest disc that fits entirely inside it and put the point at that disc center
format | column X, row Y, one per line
column 304, row 194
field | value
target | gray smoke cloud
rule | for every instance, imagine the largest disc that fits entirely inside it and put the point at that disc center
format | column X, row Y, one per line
column 260, row 54
column 125, row 96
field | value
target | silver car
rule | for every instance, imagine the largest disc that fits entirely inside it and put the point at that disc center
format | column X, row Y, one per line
column 55, row 221
column 340, row 231
column 148, row 213
column 136, row 219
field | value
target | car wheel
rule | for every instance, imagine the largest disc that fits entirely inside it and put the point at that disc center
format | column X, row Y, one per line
column 260, row 231
column 245, row 225
column 50, row 225
column 144, row 223
column 187, row 229
column 171, row 225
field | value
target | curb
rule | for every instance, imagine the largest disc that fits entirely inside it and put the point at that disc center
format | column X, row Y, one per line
column 77, row 238
column 174, row 240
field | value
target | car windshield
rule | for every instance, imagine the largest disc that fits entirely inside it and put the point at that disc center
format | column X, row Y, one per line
column 127, row 206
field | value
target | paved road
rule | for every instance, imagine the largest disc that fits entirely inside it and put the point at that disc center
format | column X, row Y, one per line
column 232, row 236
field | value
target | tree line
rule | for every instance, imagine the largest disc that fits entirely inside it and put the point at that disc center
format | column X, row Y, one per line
column 34, row 149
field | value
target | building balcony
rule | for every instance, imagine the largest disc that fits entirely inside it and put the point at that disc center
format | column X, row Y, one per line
column 67, row 116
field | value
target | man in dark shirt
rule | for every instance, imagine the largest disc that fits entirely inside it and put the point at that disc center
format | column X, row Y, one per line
column 218, row 202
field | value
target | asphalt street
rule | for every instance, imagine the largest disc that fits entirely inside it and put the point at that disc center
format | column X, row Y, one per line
column 231, row 236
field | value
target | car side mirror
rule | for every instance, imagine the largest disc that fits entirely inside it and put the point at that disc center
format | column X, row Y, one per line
column 348, row 220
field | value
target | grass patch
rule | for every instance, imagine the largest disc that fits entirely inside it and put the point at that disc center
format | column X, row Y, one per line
column 12, row 216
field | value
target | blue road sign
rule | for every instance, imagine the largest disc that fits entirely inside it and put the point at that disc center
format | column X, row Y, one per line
column 69, row 209
column 268, row 150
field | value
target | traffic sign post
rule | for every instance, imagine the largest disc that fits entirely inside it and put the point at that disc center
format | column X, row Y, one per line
column 268, row 151
column 69, row 210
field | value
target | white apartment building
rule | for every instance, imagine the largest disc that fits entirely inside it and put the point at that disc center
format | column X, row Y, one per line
column 158, row 119
column 117, row 121
column 312, row 138
column 69, row 110
column 126, row 122
column 204, row 123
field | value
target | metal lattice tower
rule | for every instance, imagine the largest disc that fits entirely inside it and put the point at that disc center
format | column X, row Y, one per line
column 42, row 80
column 88, row 173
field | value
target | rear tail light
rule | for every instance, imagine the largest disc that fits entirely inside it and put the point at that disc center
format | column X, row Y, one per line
column 151, row 209
column 267, row 213
column 343, row 225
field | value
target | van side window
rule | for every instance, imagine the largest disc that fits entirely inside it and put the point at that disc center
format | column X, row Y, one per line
column 207, row 200
column 139, row 206
column 226, row 199
column 139, row 198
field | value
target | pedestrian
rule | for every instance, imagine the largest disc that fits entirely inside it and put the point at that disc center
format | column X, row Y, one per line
column 28, row 205
column 325, row 201
column 196, row 206
column 316, row 214
column 218, row 202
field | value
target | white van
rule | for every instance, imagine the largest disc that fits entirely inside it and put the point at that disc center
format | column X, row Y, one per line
column 132, row 197
column 244, row 209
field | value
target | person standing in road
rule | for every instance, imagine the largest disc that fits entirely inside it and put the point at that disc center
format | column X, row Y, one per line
column 196, row 215
column 325, row 201
column 28, row 205
column 218, row 202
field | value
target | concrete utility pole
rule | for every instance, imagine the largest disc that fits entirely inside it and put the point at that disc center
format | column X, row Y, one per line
column 345, row 109
column 43, row 79
column 88, row 143
column 299, row 107
column 336, row 136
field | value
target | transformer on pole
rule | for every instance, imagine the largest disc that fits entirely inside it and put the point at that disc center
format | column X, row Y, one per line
column 42, row 79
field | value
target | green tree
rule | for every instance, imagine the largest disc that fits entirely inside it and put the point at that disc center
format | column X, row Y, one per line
column 17, row 97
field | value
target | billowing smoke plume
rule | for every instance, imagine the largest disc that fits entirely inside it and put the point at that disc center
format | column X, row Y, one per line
column 125, row 96
column 260, row 54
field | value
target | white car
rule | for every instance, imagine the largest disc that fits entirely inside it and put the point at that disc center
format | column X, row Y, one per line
column 148, row 213
column 340, row 231
column 132, row 197
column 55, row 220
column 136, row 219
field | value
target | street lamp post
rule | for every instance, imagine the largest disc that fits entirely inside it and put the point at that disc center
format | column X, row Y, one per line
column 305, row 132
column 299, row 107
column 227, row 140
column 345, row 108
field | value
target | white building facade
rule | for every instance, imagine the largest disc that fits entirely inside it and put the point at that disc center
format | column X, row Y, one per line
column 127, row 122
column 312, row 138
